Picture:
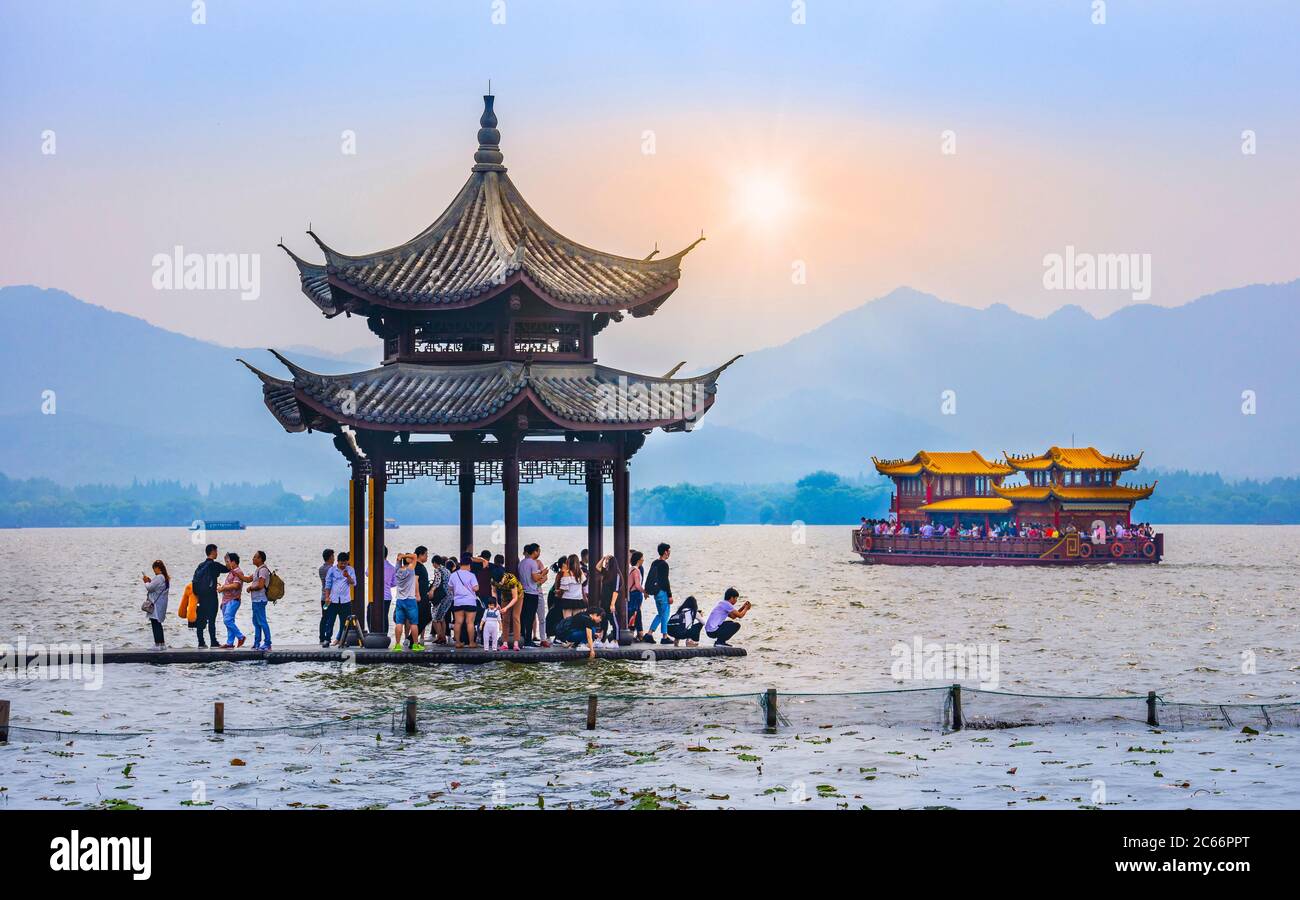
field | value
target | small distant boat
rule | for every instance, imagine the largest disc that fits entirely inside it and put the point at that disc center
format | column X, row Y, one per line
column 217, row 525
column 391, row 525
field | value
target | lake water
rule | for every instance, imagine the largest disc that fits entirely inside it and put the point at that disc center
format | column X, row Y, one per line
column 1215, row 622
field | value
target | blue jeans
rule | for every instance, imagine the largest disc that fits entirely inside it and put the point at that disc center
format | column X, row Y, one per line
column 261, row 630
column 634, row 620
column 662, row 606
column 228, row 616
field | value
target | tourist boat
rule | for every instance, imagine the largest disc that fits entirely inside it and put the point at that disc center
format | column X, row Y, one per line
column 218, row 525
column 390, row 524
column 1067, row 490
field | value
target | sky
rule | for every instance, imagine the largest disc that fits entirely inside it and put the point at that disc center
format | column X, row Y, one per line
column 829, row 151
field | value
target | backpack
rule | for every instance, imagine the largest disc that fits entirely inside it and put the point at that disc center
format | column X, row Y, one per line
column 205, row 579
column 274, row 587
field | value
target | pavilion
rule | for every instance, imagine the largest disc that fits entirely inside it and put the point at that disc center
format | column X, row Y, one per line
column 488, row 319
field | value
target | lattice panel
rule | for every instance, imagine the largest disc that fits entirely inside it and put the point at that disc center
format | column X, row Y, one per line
column 487, row 472
column 399, row 471
column 574, row 471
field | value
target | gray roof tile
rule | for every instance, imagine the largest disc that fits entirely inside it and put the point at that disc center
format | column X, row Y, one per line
column 488, row 237
column 406, row 396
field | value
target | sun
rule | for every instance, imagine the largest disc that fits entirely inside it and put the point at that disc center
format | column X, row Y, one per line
column 764, row 200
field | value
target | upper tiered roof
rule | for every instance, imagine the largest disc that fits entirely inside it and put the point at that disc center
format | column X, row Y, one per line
column 1073, row 459
column 942, row 463
column 487, row 241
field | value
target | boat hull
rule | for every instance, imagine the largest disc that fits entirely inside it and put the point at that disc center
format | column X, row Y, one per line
column 912, row 550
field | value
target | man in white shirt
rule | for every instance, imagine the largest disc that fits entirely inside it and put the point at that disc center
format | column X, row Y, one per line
column 722, row 622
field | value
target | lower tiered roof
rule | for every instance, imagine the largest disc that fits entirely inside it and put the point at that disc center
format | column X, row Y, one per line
column 445, row 398
column 1075, row 493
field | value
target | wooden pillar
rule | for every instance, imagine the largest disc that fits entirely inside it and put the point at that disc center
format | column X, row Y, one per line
column 510, row 485
column 378, row 485
column 1056, row 516
column 595, row 512
column 466, row 506
column 622, row 540
column 357, row 539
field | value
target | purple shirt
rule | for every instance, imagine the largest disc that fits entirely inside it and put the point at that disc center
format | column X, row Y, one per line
column 718, row 615
column 528, row 567
column 390, row 578
column 463, row 583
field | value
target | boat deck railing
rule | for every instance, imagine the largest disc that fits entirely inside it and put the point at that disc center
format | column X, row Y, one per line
column 1015, row 547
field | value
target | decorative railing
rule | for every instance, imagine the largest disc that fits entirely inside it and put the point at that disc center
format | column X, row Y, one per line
column 1070, row 546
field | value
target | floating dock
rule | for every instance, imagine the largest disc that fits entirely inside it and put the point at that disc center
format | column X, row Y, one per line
column 432, row 656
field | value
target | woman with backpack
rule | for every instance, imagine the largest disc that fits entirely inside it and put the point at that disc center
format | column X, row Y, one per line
column 685, row 624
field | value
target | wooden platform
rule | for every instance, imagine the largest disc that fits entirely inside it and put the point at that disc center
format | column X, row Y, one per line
column 432, row 656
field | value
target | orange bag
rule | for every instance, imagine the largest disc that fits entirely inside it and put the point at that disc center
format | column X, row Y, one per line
column 189, row 608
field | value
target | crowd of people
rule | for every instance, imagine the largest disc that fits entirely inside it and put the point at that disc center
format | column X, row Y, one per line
column 460, row 601
column 1006, row 530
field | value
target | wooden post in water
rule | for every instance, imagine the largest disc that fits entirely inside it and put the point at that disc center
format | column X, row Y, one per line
column 591, row 712
column 410, row 715
column 770, row 726
column 956, row 707
column 219, row 717
column 4, row 721
column 1152, row 719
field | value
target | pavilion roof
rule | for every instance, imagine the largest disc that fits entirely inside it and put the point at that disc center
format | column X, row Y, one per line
column 443, row 398
column 1073, row 459
column 1077, row 493
column 968, row 462
column 488, row 240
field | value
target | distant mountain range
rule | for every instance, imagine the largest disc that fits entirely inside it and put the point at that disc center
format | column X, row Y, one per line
column 1166, row 380
column 132, row 400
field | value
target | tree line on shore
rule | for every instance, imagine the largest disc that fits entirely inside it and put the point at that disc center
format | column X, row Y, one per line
column 821, row 498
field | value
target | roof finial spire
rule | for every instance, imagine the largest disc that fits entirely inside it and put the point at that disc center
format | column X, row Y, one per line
column 488, row 158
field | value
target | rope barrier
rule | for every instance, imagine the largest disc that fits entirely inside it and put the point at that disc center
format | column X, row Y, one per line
column 970, row 697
